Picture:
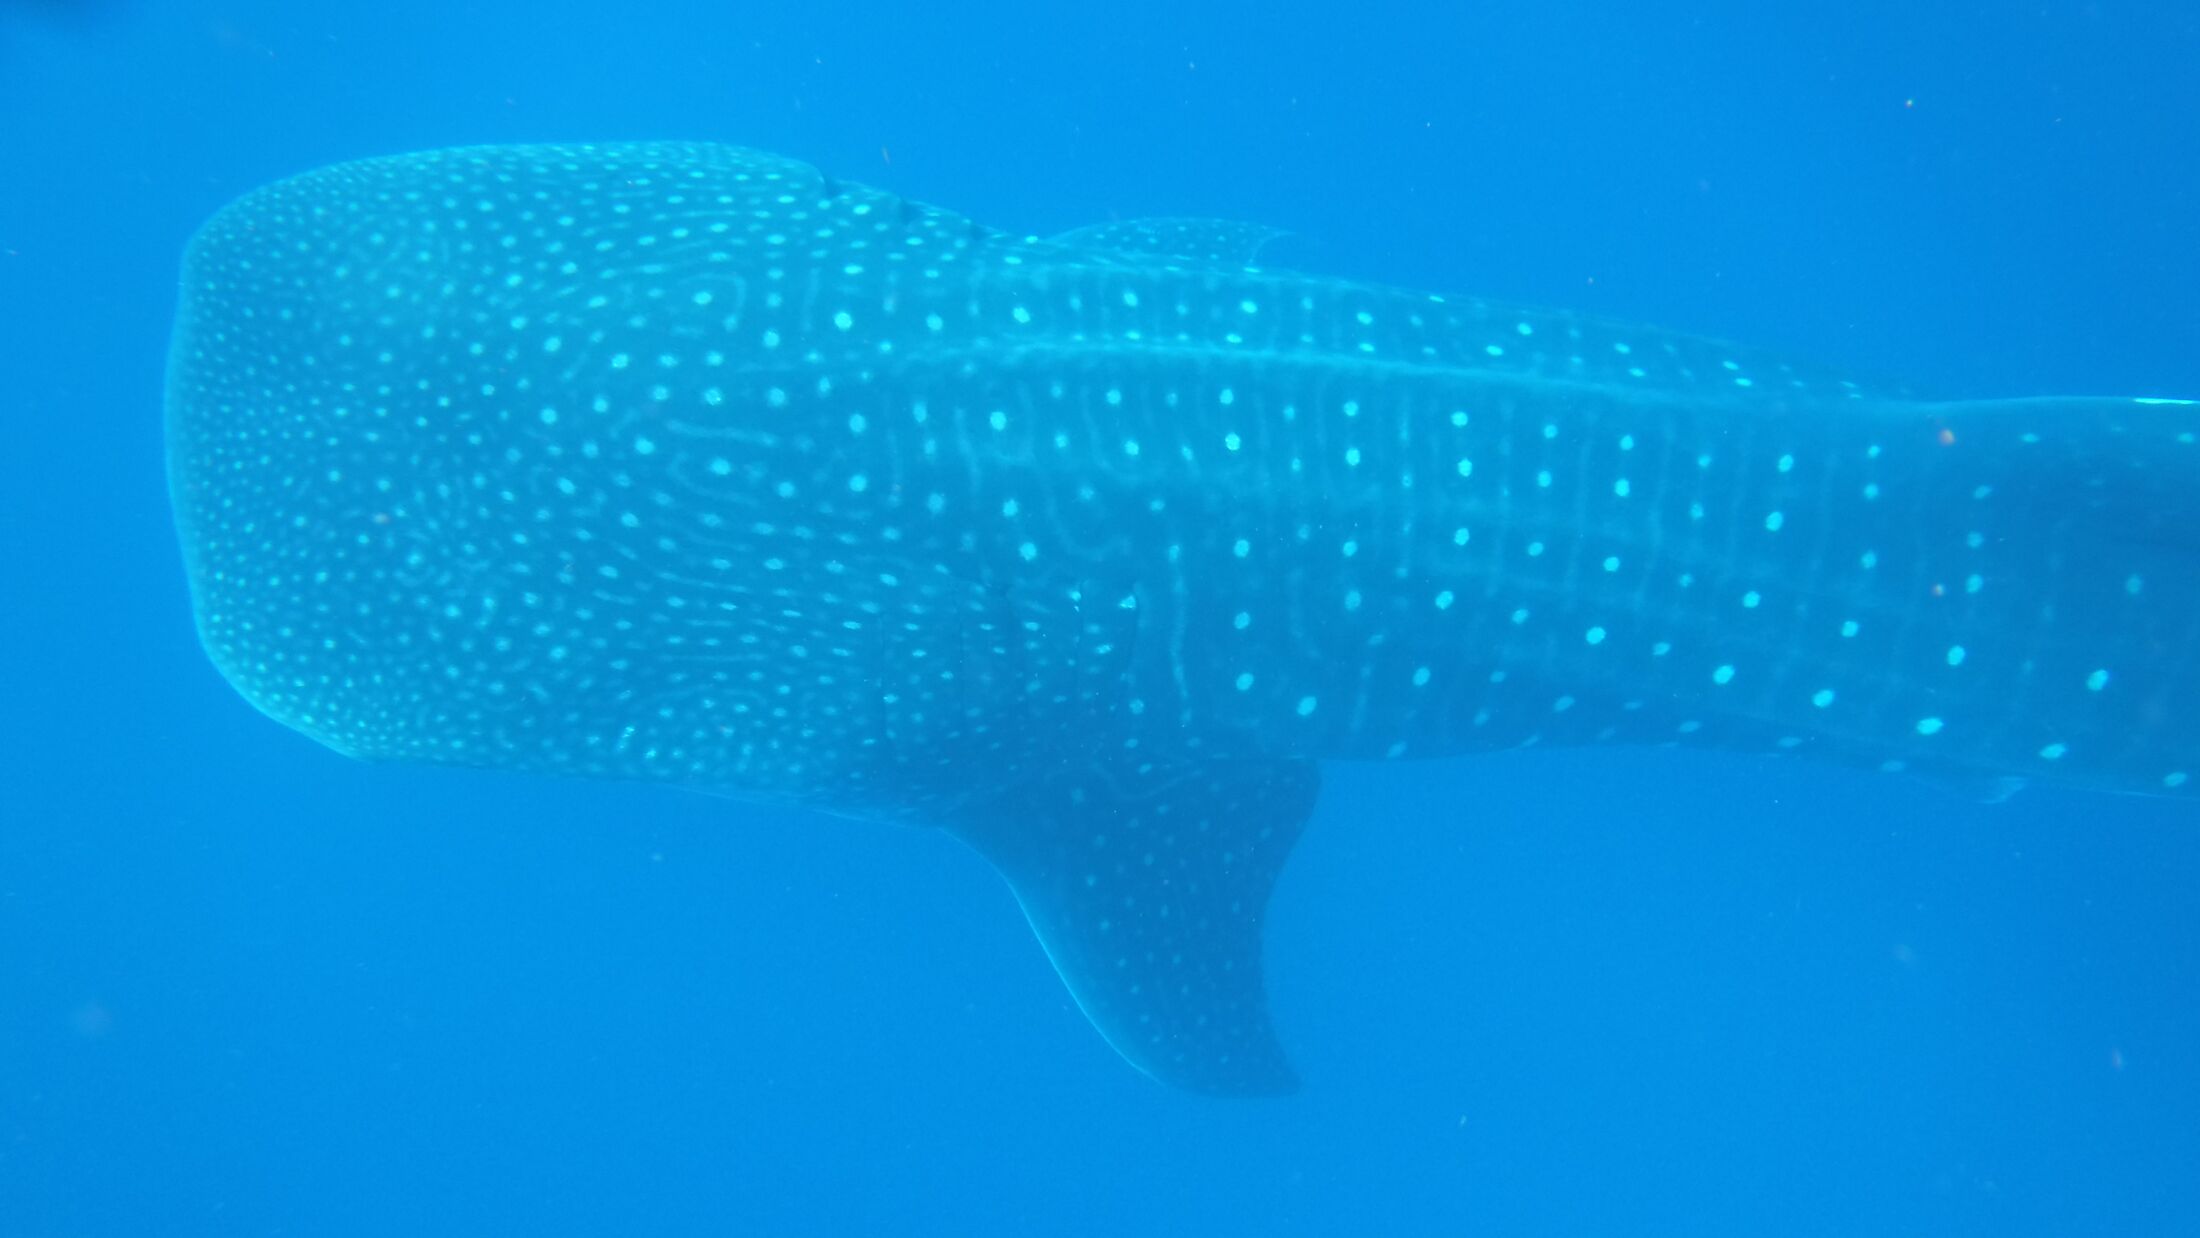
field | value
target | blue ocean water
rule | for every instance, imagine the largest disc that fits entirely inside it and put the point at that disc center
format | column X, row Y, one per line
column 249, row 987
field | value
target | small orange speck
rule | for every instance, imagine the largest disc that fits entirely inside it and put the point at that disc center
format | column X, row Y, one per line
column 1940, row 591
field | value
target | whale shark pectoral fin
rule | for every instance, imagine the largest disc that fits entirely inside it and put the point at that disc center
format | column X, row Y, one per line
column 1148, row 886
column 1206, row 240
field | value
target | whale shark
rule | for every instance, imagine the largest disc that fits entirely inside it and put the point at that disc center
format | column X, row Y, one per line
column 690, row 464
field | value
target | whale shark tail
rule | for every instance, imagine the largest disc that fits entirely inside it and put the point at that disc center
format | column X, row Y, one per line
column 2128, row 469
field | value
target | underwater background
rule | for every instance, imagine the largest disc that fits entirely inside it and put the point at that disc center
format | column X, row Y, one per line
column 249, row 987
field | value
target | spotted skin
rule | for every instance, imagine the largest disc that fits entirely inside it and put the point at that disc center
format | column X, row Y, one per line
column 687, row 463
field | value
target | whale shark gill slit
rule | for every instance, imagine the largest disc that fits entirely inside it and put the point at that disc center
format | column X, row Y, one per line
column 683, row 463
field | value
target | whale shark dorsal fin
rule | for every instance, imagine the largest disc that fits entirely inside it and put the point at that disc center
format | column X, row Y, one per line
column 1206, row 240
column 1148, row 886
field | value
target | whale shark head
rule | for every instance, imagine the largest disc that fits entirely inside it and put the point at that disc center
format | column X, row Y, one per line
column 543, row 459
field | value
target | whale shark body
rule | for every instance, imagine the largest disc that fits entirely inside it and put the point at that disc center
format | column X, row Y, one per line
column 687, row 463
